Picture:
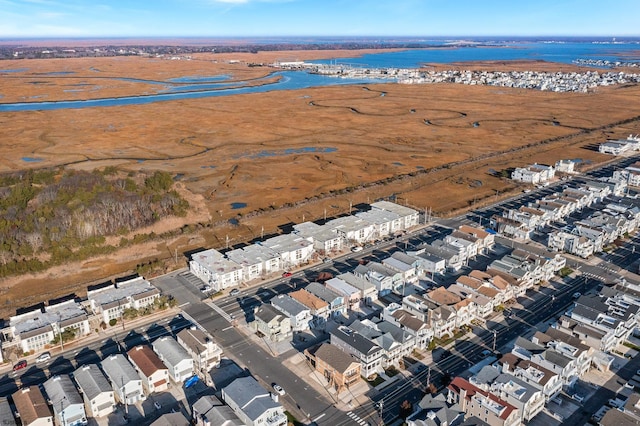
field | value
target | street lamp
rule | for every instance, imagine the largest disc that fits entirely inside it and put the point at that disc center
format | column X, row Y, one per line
column 495, row 335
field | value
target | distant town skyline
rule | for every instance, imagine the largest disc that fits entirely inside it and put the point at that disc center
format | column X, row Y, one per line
column 281, row 18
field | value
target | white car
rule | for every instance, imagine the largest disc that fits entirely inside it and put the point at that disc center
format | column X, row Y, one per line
column 356, row 249
column 234, row 292
column 279, row 389
column 45, row 356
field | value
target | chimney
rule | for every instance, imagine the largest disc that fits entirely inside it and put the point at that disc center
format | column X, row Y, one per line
column 463, row 399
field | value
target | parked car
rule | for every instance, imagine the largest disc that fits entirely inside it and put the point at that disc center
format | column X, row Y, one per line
column 20, row 365
column 577, row 295
column 286, row 274
column 234, row 292
column 45, row 356
column 206, row 289
column 278, row 389
column 356, row 249
column 157, row 405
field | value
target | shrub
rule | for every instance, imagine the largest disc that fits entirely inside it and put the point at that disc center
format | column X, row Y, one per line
column 112, row 322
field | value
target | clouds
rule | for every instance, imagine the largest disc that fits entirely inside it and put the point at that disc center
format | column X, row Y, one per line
column 234, row 18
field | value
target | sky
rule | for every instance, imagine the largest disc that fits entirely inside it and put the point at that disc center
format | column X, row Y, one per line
column 352, row 18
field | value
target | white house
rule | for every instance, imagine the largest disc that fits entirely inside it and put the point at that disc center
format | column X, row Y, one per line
column 36, row 329
column 256, row 261
column 215, row 270
column 299, row 314
column 67, row 404
column 293, row 249
column 253, row 404
column 408, row 216
column 125, row 381
column 353, row 229
column 175, row 357
column 534, row 174
column 98, row 396
column 111, row 301
column 325, row 239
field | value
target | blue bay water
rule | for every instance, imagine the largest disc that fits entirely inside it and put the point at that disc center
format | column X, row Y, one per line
column 412, row 58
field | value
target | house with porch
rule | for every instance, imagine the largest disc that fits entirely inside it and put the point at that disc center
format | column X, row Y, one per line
column 340, row 369
column 271, row 323
column 257, row 261
column 215, row 270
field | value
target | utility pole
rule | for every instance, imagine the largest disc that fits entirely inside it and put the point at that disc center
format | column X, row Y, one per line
column 495, row 334
column 380, row 407
column 428, row 378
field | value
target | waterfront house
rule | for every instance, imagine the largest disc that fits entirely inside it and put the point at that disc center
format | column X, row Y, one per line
column 257, row 261
column 111, row 301
column 293, row 249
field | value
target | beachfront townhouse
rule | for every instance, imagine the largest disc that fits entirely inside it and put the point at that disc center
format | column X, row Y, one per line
column 36, row 329
column 124, row 379
column 215, row 270
column 408, row 216
column 294, row 250
column 534, row 174
column 201, row 347
column 385, row 223
column 325, row 239
column 110, row 301
column 31, row 407
column 352, row 229
column 257, row 261
column 366, row 351
column 97, row 393
column 253, row 404
column 175, row 358
column 153, row 373
column 67, row 404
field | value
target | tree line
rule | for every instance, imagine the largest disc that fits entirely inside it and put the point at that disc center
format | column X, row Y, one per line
column 52, row 216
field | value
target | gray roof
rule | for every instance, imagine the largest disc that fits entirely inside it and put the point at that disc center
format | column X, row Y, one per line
column 6, row 413
column 524, row 390
column 528, row 345
column 252, row 398
column 195, row 339
column 355, row 340
column 288, row 305
column 171, row 419
column 356, row 282
column 170, row 351
column 111, row 295
column 267, row 313
column 211, row 409
column 40, row 320
column 323, row 292
column 91, row 381
column 62, row 392
column 556, row 358
column 486, row 375
column 119, row 370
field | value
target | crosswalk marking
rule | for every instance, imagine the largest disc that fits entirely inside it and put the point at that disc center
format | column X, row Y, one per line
column 356, row 418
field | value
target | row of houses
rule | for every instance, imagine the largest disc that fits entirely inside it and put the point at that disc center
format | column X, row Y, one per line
column 118, row 379
column 381, row 342
column 287, row 251
column 515, row 388
column 617, row 217
column 35, row 329
column 521, row 223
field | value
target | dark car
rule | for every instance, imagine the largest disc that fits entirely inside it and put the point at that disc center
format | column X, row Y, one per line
column 20, row 365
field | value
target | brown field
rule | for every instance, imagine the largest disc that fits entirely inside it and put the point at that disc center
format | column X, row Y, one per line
column 370, row 141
